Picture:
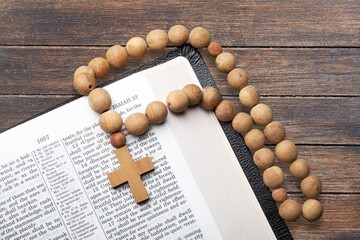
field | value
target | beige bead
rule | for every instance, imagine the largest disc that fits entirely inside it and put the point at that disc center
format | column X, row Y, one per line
column 136, row 47
column 264, row 158
column 116, row 56
column 214, row 49
column 177, row 101
column 225, row 111
column 178, row 35
column 118, row 139
column 211, row 97
column 273, row 177
column 312, row 210
column 157, row 39
column 311, row 186
column 84, row 83
column 286, row 151
column 194, row 93
column 237, row 78
column 290, row 210
column 84, row 69
column 254, row 139
column 137, row 124
column 199, row 37
column 279, row 195
column 274, row 132
column 300, row 169
column 225, row 62
column 156, row 112
column 100, row 66
column 110, row 121
column 249, row 96
column 242, row 123
column 99, row 100
column 261, row 114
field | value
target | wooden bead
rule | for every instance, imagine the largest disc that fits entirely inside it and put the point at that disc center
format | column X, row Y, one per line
column 274, row 132
column 100, row 66
column 242, row 123
column 156, row 112
column 118, row 139
column 194, row 93
column 84, row 69
column 273, row 177
column 178, row 35
column 290, row 210
column 254, row 139
column 211, row 97
column 225, row 111
column 137, row 124
column 311, row 186
column 157, row 39
column 136, row 47
column 199, row 37
column 286, row 151
column 264, row 158
column 300, row 169
column 177, row 101
column 84, row 83
column 249, row 96
column 312, row 210
column 237, row 78
column 261, row 114
column 99, row 100
column 279, row 195
column 214, row 49
column 110, row 121
column 225, row 62
column 116, row 56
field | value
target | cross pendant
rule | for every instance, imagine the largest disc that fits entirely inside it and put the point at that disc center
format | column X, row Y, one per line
column 131, row 172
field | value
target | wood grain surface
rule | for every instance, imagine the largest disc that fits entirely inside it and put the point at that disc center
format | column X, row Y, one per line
column 304, row 57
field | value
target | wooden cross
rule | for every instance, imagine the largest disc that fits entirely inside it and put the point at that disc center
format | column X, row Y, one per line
column 131, row 172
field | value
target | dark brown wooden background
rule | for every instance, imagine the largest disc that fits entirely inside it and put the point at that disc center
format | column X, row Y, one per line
column 304, row 57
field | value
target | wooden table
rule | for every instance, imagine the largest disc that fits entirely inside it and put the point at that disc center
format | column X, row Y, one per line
column 304, row 57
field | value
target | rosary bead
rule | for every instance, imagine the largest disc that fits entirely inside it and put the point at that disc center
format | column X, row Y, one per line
column 136, row 47
column 264, row 158
column 214, row 49
column 116, row 56
column 254, row 139
column 311, row 186
column 286, row 151
column 274, row 132
column 177, row 101
column 194, row 93
column 84, row 83
column 178, row 35
column 249, row 96
column 273, row 177
column 110, row 121
column 279, row 195
column 261, row 114
column 290, row 210
column 242, row 123
column 225, row 111
column 312, row 210
column 118, row 139
column 199, row 37
column 99, row 100
column 100, row 66
column 157, row 39
column 210, row 98
column 300, row 169
column 237, row 78
column 137, row 124
column 156, row 112
column 225, row 62
column 84, row 69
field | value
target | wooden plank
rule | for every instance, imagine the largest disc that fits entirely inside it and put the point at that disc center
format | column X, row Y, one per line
column 289, row 72
column 245, row 23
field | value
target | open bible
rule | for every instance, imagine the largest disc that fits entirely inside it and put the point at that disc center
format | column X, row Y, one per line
column 55, row 186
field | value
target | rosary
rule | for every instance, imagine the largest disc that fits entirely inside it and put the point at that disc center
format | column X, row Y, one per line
column 209, row 99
